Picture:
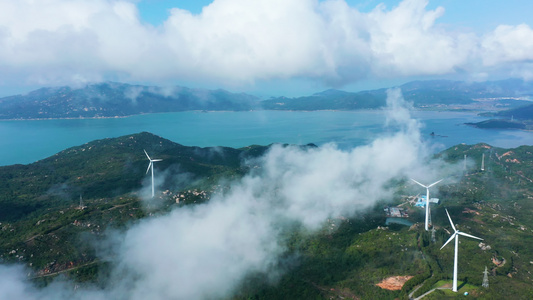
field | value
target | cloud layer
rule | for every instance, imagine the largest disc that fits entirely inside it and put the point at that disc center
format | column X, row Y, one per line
column 206, row 251
column 240, row 42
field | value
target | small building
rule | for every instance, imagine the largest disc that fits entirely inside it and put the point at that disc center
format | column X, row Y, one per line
column 421, row 202
column 395, row 212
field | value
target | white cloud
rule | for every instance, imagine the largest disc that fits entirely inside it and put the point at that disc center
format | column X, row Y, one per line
column 508, row 44
column 239, row 42
column 406, row 41
column 206, row 251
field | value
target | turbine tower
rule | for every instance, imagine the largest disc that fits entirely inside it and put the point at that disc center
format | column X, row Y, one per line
column 456, row 236
column 483, row 162
column 427, row 199
column 151, row 166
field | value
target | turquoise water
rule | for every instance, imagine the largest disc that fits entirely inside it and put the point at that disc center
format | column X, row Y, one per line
column 28, row 141
column 401, row 221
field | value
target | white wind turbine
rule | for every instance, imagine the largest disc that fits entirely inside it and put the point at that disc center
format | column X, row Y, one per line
column 427, row 199
column 151, row 166
column 456, row 236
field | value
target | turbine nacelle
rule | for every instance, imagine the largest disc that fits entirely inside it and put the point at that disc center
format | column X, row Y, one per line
column 428, row 213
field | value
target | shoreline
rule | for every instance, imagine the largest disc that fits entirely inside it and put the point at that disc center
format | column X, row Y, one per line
column 254, row 110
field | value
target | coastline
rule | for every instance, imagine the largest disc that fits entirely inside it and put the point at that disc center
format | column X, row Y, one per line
column 26, row 142
column 253, row 110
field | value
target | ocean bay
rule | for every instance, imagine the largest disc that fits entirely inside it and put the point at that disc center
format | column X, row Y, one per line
column 26, row 141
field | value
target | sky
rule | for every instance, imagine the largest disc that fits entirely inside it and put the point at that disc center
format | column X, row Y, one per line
column 262, row 47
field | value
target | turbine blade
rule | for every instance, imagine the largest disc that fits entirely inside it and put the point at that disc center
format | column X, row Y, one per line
column 451, row 221
column 435, row 183
column 469, row 235
column 149, row 165
column 147, row 154
column 156, row 160
column 451, row 238
column 419, row 183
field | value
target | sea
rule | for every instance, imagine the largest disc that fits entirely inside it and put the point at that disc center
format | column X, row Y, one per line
column 26, row 141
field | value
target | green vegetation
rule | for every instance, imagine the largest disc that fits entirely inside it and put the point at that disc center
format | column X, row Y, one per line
column 521, row 113
column 42, row 223
column 112, row 99
column 503, row 124
column 494, row 204
column 44, row 227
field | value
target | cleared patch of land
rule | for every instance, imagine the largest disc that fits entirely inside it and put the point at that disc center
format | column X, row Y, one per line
column 394, row 283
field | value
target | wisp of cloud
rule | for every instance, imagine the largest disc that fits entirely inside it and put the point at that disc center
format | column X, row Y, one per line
column 206, row 251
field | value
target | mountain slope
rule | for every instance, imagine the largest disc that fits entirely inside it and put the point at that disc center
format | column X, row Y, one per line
column 116, row 99
column 436, row 93
column 347, row 258
column 330, row 99
column 54, row 210
column 109, row 167
column 520, row 113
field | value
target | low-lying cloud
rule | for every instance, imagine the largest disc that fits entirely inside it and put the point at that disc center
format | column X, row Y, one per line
column 206, row 251
column 237, row 43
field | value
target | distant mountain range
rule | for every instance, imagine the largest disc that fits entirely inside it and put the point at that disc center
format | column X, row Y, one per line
column 509, row 93
column 112, row 99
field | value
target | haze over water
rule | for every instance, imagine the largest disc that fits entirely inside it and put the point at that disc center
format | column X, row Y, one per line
column 28, row 141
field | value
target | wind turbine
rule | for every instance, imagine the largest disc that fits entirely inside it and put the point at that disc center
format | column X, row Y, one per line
column 151, row 166
column 456, row 236
column 427, row 199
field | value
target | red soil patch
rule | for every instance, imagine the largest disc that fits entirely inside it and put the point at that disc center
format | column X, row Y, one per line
column 394, row 283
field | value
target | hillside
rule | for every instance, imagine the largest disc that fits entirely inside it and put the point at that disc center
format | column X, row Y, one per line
column 41, row 216
column 498, row 124
column 330, row 99
column 494, row 204
column 45, row 227
column 109, row 167
column 437, row 94
column 118, row 99
column 515, row 118
column 520, row 113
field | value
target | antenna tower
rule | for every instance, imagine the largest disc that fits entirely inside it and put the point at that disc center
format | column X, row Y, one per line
column 81, row 203
column 485, row 279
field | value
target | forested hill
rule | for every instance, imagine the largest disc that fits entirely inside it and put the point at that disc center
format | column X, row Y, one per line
column 112, row 99
column 46, row 227
column 109, row 167
column 520, row 113
column 442, row 94
column 118, row 99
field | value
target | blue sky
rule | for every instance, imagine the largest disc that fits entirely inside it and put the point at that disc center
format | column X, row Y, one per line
column 263, row 47
column 477, row 15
